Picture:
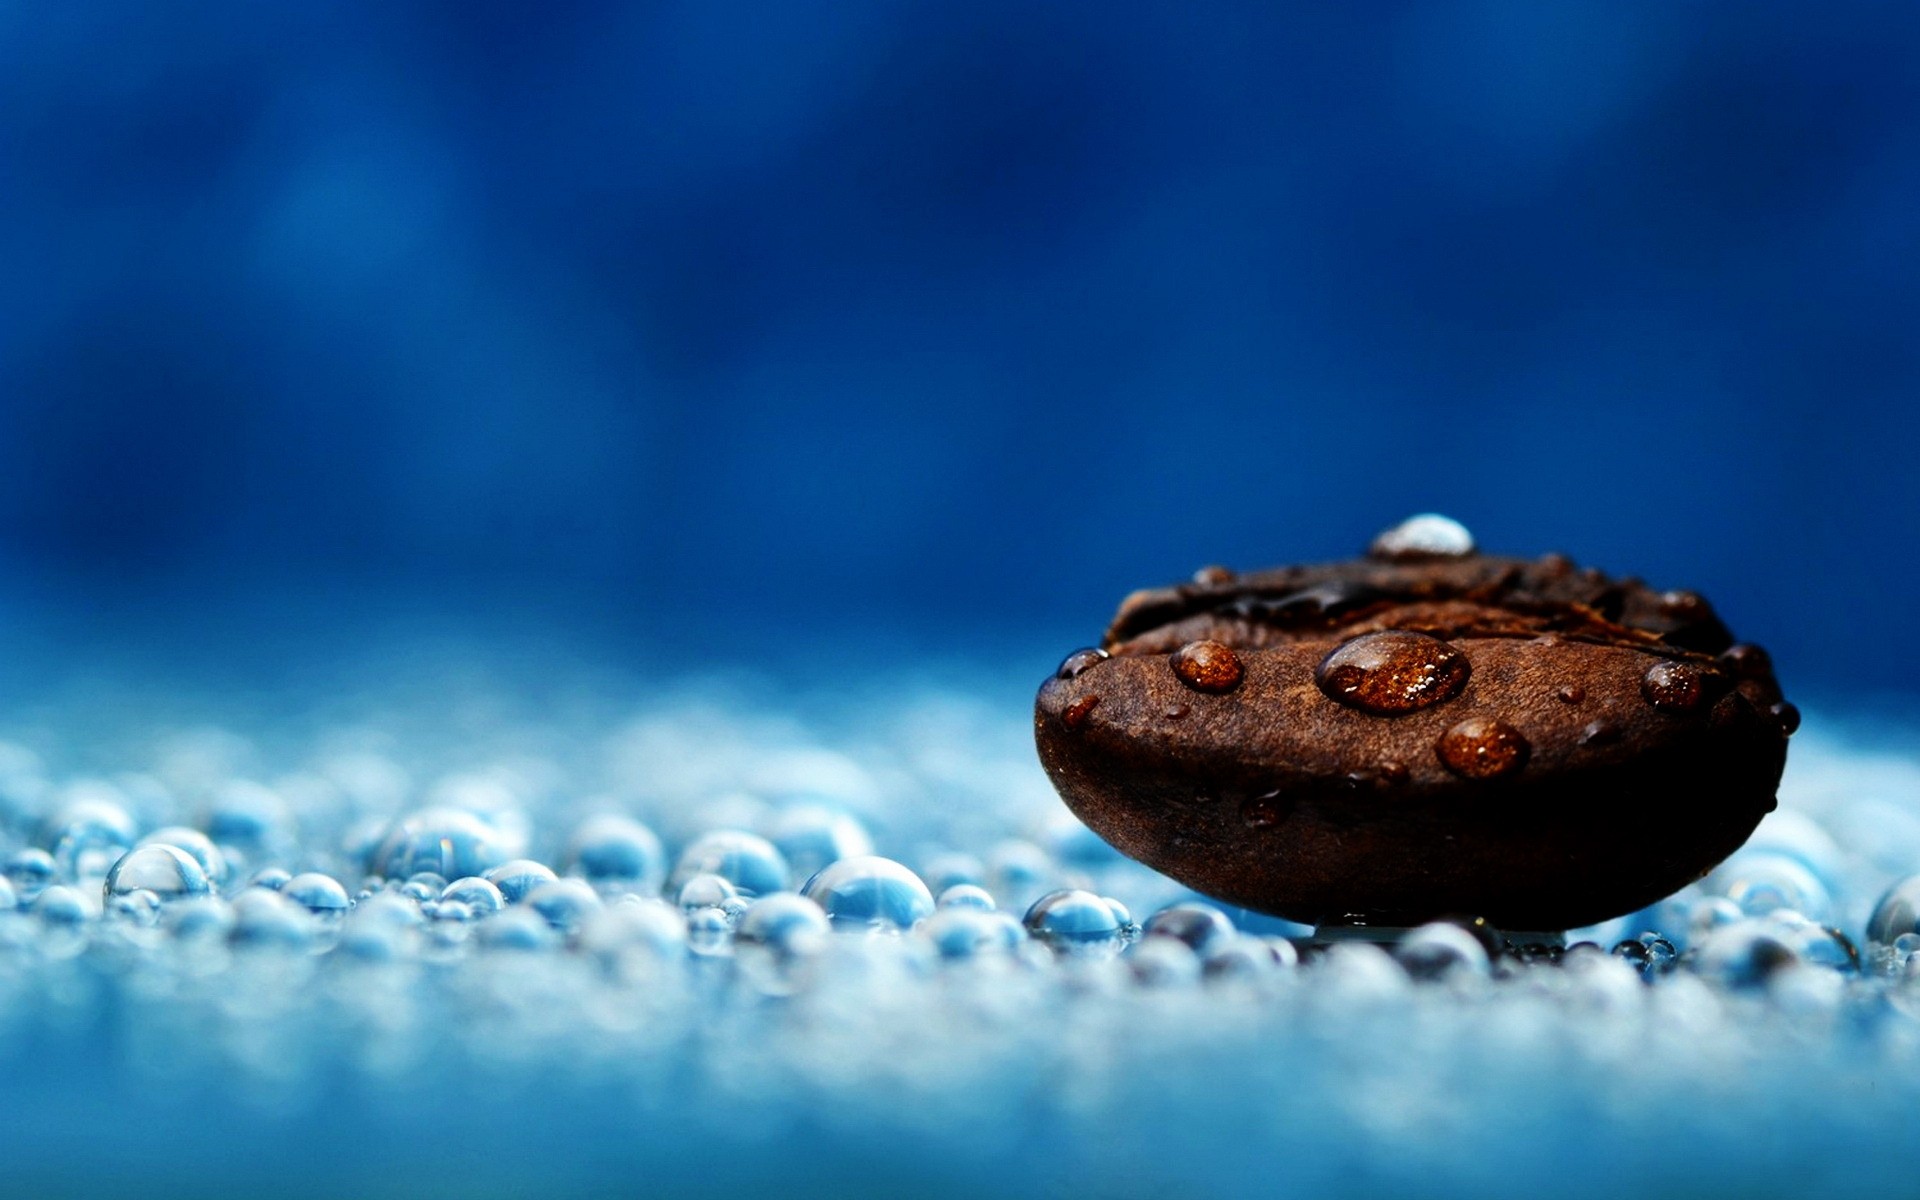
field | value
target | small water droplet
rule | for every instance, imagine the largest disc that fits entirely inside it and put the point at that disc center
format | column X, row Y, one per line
column 1747, row 661
column 518, row 877
column 747, row 861
column 1213, row 576
column 319, row 894
column 1175, row 712
column 168, row 872
column 1424, row 535
column 1599, row 733
column 613, row 848
column 1076, row 713
column 1392, row 672
column 1073, row 664
column 1571, row 693
column 1075, row 923
column 1786, row 716
column 1482, row 748
column 1262, row 812
column 1680, row 687
column 1208, row 667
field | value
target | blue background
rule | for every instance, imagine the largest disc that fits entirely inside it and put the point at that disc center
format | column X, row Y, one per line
column 756, row 323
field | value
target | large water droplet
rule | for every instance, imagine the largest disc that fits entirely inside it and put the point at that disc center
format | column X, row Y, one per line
column 195, row 843
column 319, row 894
column 1483, row 748
column 447, row 841
column 809, row 836
column 1200, row 926
column 1424, row 535
column 1208, row 667
column 1076, row 923
column 612, row 848
column 481, row 897
column 518, row 877
column 858, row 893
column 1681, row 687
column 168, row 872
column 1392, row 672
column 784, row 923
column 565, row 903
column 747, row 861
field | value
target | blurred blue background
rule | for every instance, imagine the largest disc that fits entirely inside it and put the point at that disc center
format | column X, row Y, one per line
column 959, row 320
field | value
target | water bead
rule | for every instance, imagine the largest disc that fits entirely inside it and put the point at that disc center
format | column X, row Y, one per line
column 480, row 897
column 139, row 906
column 748, row 861
column 1075, row 664
column 1164, row 962
column 1207, row 666
column 564, row 902
column 810, row 836
column 1074, row 922
column 616, row 849
column 30, row 871
column 965, row 933
column 1423, row 535
column 627, row 933
column 202, row 918
column 784, row 922
column 271, row 878
column 1480, row 748
column 709, row 932
column 62, row 905
column 944, row 871
column 168, row 872
column 451, row 910
column 858, row 893
column 519, row 876
column 517, row 930
column 417, row 891
column 268, row 920
column 705, row 891
column 447, row 841
column 1761, row 882
column 1199, row 926
column 1247, row 959
column 1744, row 954
column 319, row 894
column 199, row 845
column 1440, row 949
column 1392, row 673
column 89, row 832
column 966, row 895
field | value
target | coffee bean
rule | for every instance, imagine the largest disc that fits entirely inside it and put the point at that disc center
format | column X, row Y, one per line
column 1427, row 731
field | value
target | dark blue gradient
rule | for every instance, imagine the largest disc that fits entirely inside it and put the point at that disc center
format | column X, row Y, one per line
column 959, row 319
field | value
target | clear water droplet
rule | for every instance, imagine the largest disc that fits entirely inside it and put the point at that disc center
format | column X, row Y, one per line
column 858, row 893
column 480, row 897
column 1483, row 748
column 1393, row 672
column 198, row 844
column 31, row 872
column 168, row 872
column 517, row 877
column 785, row 924
column 447, row 841
column 1208, row 666
column 1441, row 949
column 809, row 836
column 1681, row 687
column 1075, row 923
column 966, row 895
column 564, row 903
column 1423, row 535
column 1075, row 714
column 746, row 860
column 616, row 850
column 1200, row 926
column 1073, row 665
column 321, row 895
column 705, row 891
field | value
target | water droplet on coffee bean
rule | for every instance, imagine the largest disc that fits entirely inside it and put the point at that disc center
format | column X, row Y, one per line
column 1213, row 576
column 1262, row 812
column 1073, row 664
column 1425, row 535
column 1680, row 687
column 1392, row 672
column 1483, row 748
column 1076, row 713
column 1572, row 693
column 1208, row 667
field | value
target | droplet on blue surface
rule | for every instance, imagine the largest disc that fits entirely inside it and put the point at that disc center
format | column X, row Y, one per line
column 948, row 870
column 481, row 897
column 1200, row 926
column 252, row 820
column 1896, row 915
column 1762, row 882
column 62, row 905
column 966, row 895
column 1075, row 923
column 1246, row 958
column 746, row 860
column 1423, row 535
column 1745, row 954
column 709, row 932
column 564, row 902
column 958, row 933
column 89, row 832
column 168, row 872
column 517, row 929
column 139, row 906
column 785, row 923
column 30, row 871
column 705, row 891
column 8, row 900
column 636, row 931
column 1164, row 962
column 858, row 893
column 1018, row 873
column 319, row 894
column 518, row 877
column 612, row 848
column 452, row 910
column 270, row 878
column 1439, row 950
column 200, row 919
column 199, row 845
column 447, row 841
column 268, row 920
column 810, row 836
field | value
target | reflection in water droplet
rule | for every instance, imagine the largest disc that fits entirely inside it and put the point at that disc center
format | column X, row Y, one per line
column 480, row 897
column 1571, row 693
column 518, row 877
column 168, row 872
column 30, row 872
column 1786, row 716
column 1213, row 576
column 564, row 902
column 1483, row 748
column 1262, row 812
column 319, row 894
column 810, row 836
column 1680, row 687
column 1200, row 926
column 1076, row 713
column 1392, row 672
column 195, row 843
column 1076, row 923
column 967, row 895
column 784, row 923
column 447, row 841
column 1175, row 712
column 746, row 860
column 705, row 891
column 1439, row 949
column 1424, row 535
column 1599, row 733
column 613, row 848
column 1207, row 667
column 1077, row 662
column 858, row 893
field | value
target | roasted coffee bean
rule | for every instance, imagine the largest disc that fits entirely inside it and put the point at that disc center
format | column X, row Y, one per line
column 1422, row 732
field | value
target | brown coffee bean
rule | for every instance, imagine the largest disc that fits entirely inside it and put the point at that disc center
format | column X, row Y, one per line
column 1423, row 732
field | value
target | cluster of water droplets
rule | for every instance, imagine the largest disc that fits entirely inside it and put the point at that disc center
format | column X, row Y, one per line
column 846, row 929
